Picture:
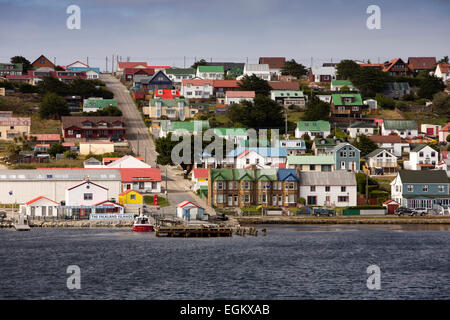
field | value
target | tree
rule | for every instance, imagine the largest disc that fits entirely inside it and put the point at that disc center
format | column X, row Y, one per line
column 292, row 68
column 385, row 102
column 370, row 81
column 56, row 149
column 26, row 65
column 443, row 60
column 347, row 69
column 109, row 111
column 448, row 138
column 441, row 102
column 201, row 62
column 365, row 145
column 263, row 112
column 70, row 155
column 50, row 84
column 254, row 83
column 53, row 107
column 429, row 86
column 316, row 109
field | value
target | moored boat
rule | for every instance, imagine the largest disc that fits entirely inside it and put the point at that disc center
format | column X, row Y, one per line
column 142, row 223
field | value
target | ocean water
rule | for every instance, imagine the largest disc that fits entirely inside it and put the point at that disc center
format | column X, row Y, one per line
column 291, row 262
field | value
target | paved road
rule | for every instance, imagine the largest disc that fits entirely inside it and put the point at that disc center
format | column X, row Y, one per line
column 142, row 144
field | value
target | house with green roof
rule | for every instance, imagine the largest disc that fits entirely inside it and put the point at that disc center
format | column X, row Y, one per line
column 233, row 134
column 234, row 188
column 346, row 105
column 95, row 104
column 182, row 127
column 210, row 72
column 312, row 128
column 311, row 163
column 421, row 189
column 337, row 85
column 177, row 75
column 288, row 97
column 403, row 128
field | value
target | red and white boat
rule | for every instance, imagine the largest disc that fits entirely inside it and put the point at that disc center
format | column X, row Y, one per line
column 141, row 223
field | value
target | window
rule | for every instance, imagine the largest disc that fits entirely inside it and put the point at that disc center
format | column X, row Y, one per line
column 219, row 185
column 312, row 188
column 433, row 154
column 410, row 188
column 420, row 154
column 247, row 198
column 441, row 188
column 312, row 167
column 327, row 188
column 342, row 199
column 343, row 154
column 88, row 196
column 343, row 189
column 132, row 197
column 312, row 200
column 425, row 188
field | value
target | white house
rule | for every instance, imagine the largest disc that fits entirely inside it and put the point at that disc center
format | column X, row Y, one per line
column 244, row 158
column 92, row 163
column 403, row 128
column 40, row 207
column 312, row 128
column 443, row 71
column 422, row 157
column 188, row 211
column 238, row 96
column 210, row 72
column 128, row 162
column 322, row 74
column 444, row 132
column 199, row 178
column 293, row 147
column 86, row 193
column 359, row 128
column 275, row 64
column 143, row 180
column 260, row 70
column 335, row 189
column 196, row 88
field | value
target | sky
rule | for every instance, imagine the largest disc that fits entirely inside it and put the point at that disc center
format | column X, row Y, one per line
column 178, row 32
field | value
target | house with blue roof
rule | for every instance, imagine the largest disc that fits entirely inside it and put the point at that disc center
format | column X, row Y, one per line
column 91, row 73
column 293, row 147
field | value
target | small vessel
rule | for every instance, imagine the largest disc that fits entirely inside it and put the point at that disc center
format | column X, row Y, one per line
column 142, row 223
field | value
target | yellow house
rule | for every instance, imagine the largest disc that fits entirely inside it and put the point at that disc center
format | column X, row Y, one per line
column 130, row 197
column 11, row 127
column 96, row 147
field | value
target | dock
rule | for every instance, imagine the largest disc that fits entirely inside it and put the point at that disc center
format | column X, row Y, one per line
column 21, row 224
column 193, row 231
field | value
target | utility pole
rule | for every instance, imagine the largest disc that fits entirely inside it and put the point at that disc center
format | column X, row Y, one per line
column 184, row 63
column 285, row 126
column 112, row 64
column 87, row 61
column 167, row 193
column 367, row 188
column 54, row 61
column 138, row 143
column 106, row 64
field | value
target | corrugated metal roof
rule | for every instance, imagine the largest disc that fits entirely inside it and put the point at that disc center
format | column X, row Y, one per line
column 425, row 176
column 335, row 178
column 300, row 160
column 60, row 174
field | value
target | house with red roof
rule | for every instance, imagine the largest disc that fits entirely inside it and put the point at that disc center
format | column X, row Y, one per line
column 443, row 71
column 121, row 66
column 46, row 138
column 397, row 67
column 144, row 180
column 167, row 93
column 188, row 211
column 275, row 65
column 197, row 88
column 238, row 96
column 417, row 64
column 40, row 207
column 199, row 178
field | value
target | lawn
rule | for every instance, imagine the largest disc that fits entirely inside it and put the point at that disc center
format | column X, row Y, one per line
column 386, row 114
column 426, row 117
column 162, row 202
column 63, row 163
column 39, row 125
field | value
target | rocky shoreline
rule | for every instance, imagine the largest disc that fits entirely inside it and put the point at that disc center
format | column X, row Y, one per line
column 341, row 220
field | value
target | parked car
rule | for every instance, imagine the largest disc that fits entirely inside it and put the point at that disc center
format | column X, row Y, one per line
column 402, row 211
column 420, row 211
column 323, row 212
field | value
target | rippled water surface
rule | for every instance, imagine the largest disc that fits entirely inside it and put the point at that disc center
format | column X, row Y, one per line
column 291, row 262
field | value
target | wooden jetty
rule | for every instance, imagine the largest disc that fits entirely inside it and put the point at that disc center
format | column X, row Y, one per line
column 193, row 231
column 21, row 223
